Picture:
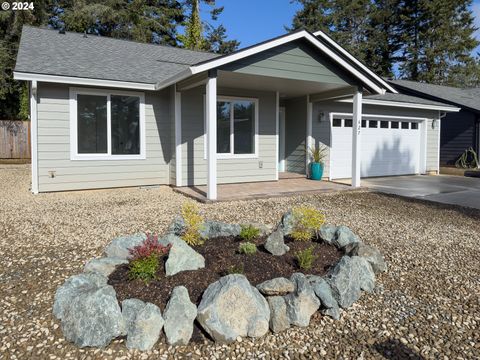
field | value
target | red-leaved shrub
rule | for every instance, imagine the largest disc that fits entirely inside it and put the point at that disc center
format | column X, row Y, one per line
column 150, row 246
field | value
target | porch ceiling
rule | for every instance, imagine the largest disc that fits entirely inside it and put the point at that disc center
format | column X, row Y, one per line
column 286, row 87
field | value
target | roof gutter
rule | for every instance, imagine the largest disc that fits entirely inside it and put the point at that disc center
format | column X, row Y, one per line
column 405, row 104
column 17, row 75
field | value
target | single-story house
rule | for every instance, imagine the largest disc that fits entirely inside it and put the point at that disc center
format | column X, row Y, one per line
column 460, row 130
column 115, row 113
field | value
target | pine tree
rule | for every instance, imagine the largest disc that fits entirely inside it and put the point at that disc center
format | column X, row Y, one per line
column 362, row 27
column 202, row 35
column 11, row 23
column 438, row 38
column 151, row 21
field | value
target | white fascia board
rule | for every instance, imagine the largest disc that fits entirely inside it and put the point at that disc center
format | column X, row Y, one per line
column 82, row 81
column 404, row 104
column 215, row 63
column 355, row 60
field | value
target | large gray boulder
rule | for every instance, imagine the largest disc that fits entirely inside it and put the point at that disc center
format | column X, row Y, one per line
column 181, row 256
column 366, row 276
column 323, row 291
column 327, row 233
column 89, row 312
column 177, row 226
column 119, row 246
column 344, row 281
column 231, row 307
column 179, row 315
column 72, row 287
column 275, row 243
column 369, row 253
column 213, row 229
column 279, row 320
column 104, row 266
column 344, row 236
column 287, row 223
column 144, row 323
column 277, row 286
column 302, row 303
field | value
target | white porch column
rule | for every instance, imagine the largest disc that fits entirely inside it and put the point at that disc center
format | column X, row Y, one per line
column 34, row 136
column 178, row 138
column 308, row 139
column 277, row 133
column 211, row 113
column 356, row 137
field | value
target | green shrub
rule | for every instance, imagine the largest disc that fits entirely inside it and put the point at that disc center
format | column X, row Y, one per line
column 305, row 258
column 144, row 269
column 249, row 232
column 236, row 269
column 193, row 222
column 247, row 248
column 307, row 222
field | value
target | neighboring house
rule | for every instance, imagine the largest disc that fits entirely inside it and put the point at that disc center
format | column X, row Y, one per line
column 460, row 130
column 114, row 113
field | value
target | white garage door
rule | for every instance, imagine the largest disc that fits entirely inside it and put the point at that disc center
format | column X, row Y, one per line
column 388, row 147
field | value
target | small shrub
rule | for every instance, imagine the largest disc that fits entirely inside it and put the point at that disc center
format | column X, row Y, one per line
column 194, row 222
column 249, row 232
column 307, row 222
column 236, row 269
column 305, row 258
column 145, row 258
column 247, row 248
column 150, row 246
column 144, row 269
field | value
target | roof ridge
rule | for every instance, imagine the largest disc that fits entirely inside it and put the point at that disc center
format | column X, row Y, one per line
column 124, row 40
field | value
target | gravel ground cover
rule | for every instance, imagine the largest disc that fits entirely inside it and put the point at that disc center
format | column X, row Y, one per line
column 427, row 304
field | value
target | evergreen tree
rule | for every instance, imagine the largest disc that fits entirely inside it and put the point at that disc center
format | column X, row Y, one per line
column 202, row 35
column 151, row 21
column 427, row 40
column 11, row 23
column 362, row 27
column 438, row 38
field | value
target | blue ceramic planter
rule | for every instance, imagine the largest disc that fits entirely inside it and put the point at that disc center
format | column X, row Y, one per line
column 316, row 171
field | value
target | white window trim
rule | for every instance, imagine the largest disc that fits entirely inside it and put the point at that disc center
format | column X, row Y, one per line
column 74, row 155
column 231, row 155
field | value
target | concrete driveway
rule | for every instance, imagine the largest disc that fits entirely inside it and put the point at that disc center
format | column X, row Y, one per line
column 456, row 190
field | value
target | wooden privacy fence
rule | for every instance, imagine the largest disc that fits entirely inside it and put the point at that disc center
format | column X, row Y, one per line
column 14, row 139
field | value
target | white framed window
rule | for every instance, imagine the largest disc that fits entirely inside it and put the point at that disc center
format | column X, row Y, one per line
column 237, row 128
column 107, row 124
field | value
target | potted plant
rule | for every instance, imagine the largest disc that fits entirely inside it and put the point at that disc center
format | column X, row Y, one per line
column 318, row 154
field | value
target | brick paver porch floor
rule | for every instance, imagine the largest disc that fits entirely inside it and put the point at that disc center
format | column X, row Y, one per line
column 287, row 185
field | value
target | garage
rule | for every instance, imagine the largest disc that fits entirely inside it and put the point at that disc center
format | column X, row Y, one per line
column 389, row 146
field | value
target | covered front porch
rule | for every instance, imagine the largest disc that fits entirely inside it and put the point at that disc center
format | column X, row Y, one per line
column 244, row 119
column 288, row 184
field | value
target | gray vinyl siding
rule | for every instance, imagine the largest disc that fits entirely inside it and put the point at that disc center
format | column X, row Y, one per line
column 173, row 170
column 321, row 131
column 194, row 164
column 458, row 133
column 295, row 134
column 54, row 147
column 296, row 61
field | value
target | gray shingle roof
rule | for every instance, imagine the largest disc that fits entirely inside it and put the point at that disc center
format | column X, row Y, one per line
column 407, row 99
column 46, row 51
column 469, row 98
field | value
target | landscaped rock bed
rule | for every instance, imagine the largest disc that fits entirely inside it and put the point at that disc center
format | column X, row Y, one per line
column 234, row 281
column 221, row 256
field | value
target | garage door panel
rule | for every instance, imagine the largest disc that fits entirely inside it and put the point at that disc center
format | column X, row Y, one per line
column 384, row 151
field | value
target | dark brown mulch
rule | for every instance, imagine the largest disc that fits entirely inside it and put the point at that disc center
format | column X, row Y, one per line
column 220, row 256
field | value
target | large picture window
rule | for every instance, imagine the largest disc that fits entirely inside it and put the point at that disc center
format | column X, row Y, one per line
column 107, row 125
column 237, row 127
